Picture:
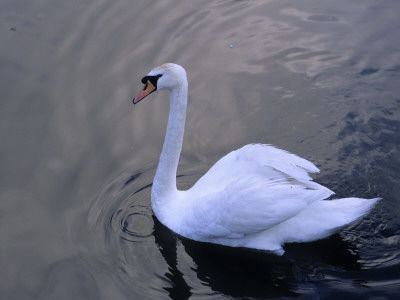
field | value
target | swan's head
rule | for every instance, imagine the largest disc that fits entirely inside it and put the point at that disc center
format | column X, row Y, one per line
column 165, row 77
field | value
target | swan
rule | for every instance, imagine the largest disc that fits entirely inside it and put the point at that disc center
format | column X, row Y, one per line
column 257, row 197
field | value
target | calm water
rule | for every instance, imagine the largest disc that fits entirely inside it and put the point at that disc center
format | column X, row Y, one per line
column 77, row 159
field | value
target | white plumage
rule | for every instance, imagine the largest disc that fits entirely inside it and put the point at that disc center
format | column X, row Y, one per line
column 257, row 196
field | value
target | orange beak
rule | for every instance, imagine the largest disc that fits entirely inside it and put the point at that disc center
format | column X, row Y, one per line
column 147, row 89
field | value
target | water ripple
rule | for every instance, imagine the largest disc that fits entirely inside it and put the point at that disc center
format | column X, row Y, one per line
column 134, row 224
column 123, row 209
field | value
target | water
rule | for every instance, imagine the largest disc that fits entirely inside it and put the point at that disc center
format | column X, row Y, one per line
column 77, row 159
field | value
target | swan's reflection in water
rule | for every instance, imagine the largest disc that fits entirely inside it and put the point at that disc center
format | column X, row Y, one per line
column 243, row 273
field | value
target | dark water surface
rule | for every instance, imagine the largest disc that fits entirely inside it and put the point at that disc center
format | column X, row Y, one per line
column 320, row 79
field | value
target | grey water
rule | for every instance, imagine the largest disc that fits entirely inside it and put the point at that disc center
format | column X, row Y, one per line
column 77, row 160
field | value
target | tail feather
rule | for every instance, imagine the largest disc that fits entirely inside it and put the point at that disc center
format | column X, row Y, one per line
column 323, row 218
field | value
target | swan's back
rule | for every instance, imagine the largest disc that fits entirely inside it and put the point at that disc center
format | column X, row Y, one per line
column 247, row 191
column 273, row 164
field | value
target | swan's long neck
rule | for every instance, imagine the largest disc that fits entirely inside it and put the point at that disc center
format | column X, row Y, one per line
column 164, row 185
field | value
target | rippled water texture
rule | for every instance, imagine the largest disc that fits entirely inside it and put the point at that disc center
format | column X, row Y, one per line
column 77, row 160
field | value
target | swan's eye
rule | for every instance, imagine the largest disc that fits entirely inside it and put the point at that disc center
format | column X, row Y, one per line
column 144, row 79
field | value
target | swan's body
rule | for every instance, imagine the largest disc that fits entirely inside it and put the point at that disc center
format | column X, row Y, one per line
column 257, row 196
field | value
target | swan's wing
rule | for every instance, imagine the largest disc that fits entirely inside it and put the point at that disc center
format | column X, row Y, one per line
column 251, row 190
column 255, row 159
column 249, row 205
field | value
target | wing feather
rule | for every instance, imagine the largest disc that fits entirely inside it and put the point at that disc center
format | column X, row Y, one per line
column 250, row 190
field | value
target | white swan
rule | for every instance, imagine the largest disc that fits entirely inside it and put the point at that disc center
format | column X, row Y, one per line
column 257, row 196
